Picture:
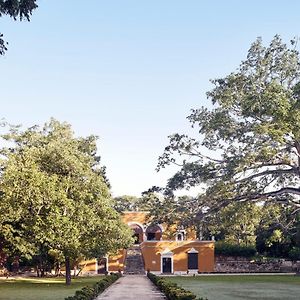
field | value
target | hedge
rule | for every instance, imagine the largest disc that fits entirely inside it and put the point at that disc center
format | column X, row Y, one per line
column 227, row 249
column 294, row 254
column 171, row 289
column 90, row 293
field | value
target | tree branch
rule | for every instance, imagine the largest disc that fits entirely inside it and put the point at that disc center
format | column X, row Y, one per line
column 262, row 196
column 267, row 172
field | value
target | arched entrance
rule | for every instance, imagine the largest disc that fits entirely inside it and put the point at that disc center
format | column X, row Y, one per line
column 138, row 233
column 154, row 232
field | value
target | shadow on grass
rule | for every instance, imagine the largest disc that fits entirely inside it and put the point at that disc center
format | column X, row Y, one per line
column 41, row 288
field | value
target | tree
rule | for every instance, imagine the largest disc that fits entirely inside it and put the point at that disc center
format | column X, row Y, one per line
column 130, row 203
column 180, row 211
column 249, row 143
column 236, row 223
column 126, row 203
column 54, row 196
column 278, row 230
column 16, row 9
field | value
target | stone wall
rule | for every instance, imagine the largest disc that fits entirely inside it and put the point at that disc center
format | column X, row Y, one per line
column 227, row 264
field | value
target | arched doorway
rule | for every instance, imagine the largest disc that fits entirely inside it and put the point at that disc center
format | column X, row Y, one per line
column 138, row 233
column 154, row 232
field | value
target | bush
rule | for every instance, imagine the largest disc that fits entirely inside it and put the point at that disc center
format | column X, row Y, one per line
column 272, row 242
column 90, row 293
column 171, row 289
column 294, row 253
column 226, row 249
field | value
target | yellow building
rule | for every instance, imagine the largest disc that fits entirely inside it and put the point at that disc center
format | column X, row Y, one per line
column 162, row 250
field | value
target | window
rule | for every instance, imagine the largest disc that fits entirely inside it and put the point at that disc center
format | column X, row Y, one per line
column 150, row 236
column 180, row 235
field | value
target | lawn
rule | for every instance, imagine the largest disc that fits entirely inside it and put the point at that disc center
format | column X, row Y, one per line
column 242, row 287
column 41, row 288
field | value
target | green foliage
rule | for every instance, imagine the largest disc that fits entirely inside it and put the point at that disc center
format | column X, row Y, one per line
column 16, row 9
column 249, row 143
column 54, row 196
column 172, row 290
column 294, row 253
column 274, row 243
column 247, row 147
column 222, row 248
column 90, row 293
column 126, row 203
column 236, row 223
column 278, row 230
column 171, row 210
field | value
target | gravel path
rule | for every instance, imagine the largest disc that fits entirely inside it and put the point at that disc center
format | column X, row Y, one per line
column 135, row 287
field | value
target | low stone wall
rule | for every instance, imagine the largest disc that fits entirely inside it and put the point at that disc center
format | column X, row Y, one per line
column 226, row 264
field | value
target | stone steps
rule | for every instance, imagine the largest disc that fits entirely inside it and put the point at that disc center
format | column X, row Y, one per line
column 134, row 263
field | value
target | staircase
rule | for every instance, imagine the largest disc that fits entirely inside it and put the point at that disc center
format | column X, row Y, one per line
column 134, row 263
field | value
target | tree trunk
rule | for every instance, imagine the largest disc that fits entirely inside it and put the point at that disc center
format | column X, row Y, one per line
column 75, row 269
column 37, row 271
column 68, row 271
column 57, row 269
column 199, row 232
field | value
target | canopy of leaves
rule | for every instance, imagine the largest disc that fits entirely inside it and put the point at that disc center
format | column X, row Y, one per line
column 126, row 203
column 252, row 134
column 278, row 230
column 130, row 203
column 54, row 195
column 16, row 9
column 274, row 229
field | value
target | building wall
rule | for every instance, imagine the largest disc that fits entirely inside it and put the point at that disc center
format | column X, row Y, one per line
column 168, row 233
column 89, row 266
column 116, row 262
column 134, row 216
column 165, row 241
column 152, row 254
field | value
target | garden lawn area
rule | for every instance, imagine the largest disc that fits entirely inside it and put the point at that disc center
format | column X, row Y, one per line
column 42, row 288
column 241, row 287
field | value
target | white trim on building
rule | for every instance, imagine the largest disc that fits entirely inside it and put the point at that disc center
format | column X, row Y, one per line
column 167, row 253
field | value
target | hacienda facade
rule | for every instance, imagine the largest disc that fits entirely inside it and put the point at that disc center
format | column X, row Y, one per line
column 159, row 249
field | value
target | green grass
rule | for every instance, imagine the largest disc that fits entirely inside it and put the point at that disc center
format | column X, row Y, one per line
column 41, row 288
column 242, row 287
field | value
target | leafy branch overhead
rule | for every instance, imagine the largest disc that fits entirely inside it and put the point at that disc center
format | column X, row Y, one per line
column 252, row 134
column 16, row 9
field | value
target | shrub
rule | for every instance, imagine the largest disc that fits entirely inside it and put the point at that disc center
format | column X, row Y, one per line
column 171, row 289
column 294, row 253
column 90, row 293
column 234, row 250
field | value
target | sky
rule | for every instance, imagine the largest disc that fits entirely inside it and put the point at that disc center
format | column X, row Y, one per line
column 129, row 71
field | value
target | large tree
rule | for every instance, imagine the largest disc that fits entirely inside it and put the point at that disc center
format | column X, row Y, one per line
column 16, row 9
column 54, row 196
column 126, row 203
column 248, row 148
